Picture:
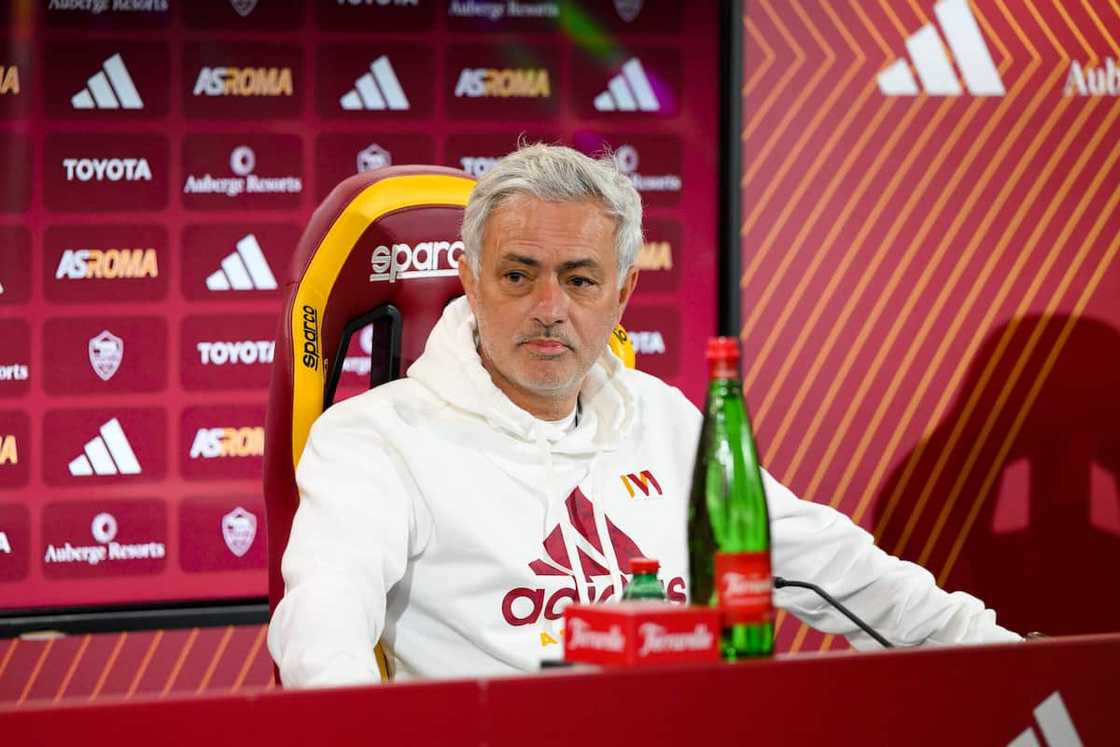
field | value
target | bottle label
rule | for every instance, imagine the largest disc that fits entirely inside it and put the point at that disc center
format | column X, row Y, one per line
column 744, row 587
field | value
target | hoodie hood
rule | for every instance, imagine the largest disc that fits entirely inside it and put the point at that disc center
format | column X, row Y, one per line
column 452, row 369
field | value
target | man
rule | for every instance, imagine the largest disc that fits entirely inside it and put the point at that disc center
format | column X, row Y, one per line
column 452, row 514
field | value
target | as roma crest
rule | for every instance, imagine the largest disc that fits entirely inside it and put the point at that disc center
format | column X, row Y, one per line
column 628, row 10
column 243, row 7
column 106, row 351
column 239, row 529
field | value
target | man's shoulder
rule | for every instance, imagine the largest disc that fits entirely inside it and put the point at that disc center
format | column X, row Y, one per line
column 373, row 408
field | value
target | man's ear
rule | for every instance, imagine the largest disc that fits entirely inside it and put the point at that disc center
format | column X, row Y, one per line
column 468, row 279
column 627, row 289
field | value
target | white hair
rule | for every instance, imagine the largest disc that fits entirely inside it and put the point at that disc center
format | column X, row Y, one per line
column 556, row 173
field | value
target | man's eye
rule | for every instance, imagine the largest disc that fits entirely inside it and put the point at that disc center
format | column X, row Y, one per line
column 582, row 282
column 515, row 276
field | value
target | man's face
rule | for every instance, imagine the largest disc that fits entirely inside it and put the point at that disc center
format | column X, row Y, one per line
column 546, row 298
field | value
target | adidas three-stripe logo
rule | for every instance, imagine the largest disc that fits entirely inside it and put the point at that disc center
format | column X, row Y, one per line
column 934, row 68
column 106, row 454
column 629, row 91
column 109, row 88
column 378, row 89
column 244, row 269
column 1054, row 722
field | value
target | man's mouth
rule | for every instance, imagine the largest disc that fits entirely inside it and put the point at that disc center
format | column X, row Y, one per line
column 546, row 345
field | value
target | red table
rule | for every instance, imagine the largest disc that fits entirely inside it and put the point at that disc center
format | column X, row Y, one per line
column 961, row 695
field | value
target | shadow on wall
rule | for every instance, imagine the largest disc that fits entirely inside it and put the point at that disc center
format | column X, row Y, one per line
column 1028, row 517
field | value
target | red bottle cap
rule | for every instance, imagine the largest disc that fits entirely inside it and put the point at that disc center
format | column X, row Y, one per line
column 644, row 565
column 723, row 357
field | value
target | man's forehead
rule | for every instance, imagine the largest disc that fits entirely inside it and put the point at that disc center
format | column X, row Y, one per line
column 520, row 204
column 527, row 218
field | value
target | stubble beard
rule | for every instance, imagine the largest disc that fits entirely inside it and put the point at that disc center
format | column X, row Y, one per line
column 515, row 375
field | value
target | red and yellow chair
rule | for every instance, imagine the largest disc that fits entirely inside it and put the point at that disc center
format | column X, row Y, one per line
column 336, row 286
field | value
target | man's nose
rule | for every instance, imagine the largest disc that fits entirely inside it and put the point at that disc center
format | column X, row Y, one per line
column 550, row 302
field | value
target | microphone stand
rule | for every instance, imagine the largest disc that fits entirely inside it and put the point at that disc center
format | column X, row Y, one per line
column 781, row 583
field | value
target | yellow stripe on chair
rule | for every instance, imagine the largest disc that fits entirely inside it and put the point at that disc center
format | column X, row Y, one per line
column 622, row 346
column 375, row 201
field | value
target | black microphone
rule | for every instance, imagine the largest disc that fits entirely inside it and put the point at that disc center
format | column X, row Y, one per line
column 781, row 583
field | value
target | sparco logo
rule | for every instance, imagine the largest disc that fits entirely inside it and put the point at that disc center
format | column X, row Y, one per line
column 504, row 83
column 107, row 169
column 246, row 352
column 429, row 259
column 244, row 81
column 310, row 337
column 217, row 443
column 525, row 606
column 108, row 264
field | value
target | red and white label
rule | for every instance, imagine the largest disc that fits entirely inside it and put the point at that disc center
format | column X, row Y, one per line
column 744, row 586
column 583, row 635
column 640, row 633
column 658, row 639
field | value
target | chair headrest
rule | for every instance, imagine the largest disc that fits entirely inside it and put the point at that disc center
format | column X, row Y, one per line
column 394, row 238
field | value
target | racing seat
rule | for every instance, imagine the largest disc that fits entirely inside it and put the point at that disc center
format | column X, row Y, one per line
column 381, row 250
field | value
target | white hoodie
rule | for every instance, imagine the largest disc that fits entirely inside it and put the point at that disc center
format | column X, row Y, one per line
column 438, row 517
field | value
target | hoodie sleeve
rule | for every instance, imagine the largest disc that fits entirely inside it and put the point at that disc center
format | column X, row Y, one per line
column 816, row 543
column 348, row 546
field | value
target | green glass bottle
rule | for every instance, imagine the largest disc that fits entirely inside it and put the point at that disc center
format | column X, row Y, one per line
column 728, row 523
column 644, row 585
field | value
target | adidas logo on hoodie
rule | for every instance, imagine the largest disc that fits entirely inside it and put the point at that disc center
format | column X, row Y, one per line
column 588, row 549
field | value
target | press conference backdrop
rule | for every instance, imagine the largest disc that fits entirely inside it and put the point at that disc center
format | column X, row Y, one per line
column 929, row 288
column 160, row 160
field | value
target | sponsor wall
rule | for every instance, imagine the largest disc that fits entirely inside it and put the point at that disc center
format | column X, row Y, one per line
column 162, row 158
column 930, row 286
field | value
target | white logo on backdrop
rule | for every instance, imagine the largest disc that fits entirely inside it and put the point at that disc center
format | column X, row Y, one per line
column 243, row 270
column 373, row 157
column 629, row 91
column 239, row 528
column 106, row 351
column 377, row 90
column 934, row 68
column 109, row 88
column 108, row 453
